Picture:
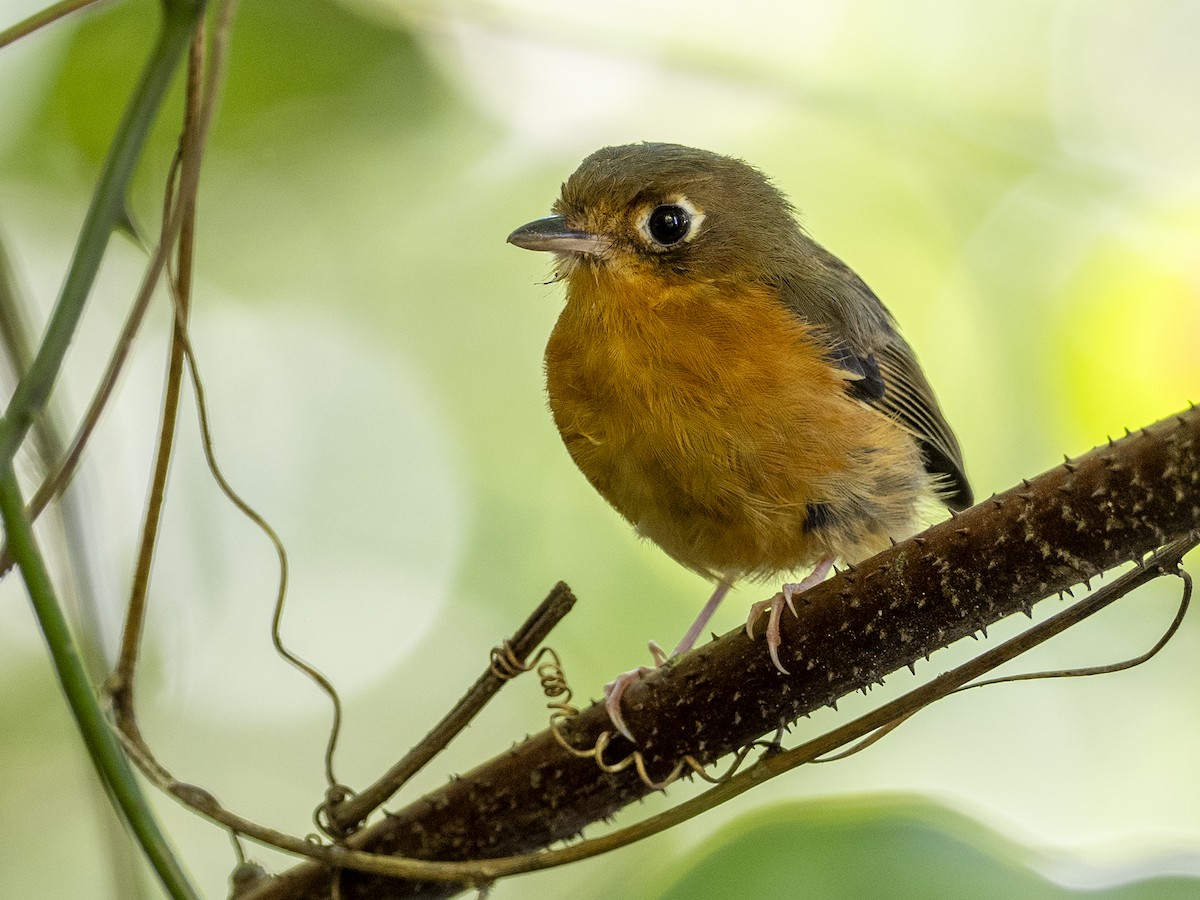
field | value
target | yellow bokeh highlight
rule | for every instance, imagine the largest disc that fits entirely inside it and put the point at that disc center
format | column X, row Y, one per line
column 1129, row 327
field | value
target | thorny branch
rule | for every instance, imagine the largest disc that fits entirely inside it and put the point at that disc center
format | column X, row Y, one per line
column 1115, row 504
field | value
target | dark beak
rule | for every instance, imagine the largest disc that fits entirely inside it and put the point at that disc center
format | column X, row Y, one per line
column 553, row 234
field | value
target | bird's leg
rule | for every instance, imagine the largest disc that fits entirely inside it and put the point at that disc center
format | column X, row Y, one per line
column 689, row 638
column 614, row 690
column 776, row 604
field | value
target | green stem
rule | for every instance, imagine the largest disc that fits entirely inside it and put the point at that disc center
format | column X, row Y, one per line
column 180, row 17
column 105, row 211
column 102, row 744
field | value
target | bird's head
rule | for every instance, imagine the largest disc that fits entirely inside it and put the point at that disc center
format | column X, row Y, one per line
column 669, row 211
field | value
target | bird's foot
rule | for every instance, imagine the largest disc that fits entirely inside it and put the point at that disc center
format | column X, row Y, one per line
column 615, row 689
column 775, row 607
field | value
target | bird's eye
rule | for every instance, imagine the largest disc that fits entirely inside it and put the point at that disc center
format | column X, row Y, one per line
column 669, row 224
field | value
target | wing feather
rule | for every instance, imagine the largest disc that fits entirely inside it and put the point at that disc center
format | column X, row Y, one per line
column 864, row 341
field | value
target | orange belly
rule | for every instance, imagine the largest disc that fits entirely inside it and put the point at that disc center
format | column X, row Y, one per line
column 710, row 419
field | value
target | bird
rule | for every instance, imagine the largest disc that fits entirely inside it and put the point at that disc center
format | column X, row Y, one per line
column 733, row 389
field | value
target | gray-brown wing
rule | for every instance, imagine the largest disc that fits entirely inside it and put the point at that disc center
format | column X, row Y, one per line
column 908, row 396
column 864, row 341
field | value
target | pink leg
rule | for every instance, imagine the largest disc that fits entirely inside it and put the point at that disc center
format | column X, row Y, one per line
column 775, row 606
column 689, row 639
column 615, row 689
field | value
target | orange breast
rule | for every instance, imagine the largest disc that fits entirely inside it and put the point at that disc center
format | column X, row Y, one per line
column 709, row 418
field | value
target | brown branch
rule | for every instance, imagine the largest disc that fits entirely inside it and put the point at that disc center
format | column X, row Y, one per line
column 42, row 18
column 1086, row 516
column 188, row 159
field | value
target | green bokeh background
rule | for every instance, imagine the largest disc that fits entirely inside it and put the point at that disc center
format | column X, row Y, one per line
column 1020, row 182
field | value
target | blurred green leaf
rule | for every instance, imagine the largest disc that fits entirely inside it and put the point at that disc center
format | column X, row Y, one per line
column 885, row 849
column 358, row 67
column 342, row 63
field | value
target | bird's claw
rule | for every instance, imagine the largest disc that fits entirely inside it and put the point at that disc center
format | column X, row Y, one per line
column 775, row 607
column 786, row 596
column 657, row 653
column 615, row 689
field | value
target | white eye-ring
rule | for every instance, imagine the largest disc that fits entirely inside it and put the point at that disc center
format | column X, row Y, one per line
column 672, row 223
